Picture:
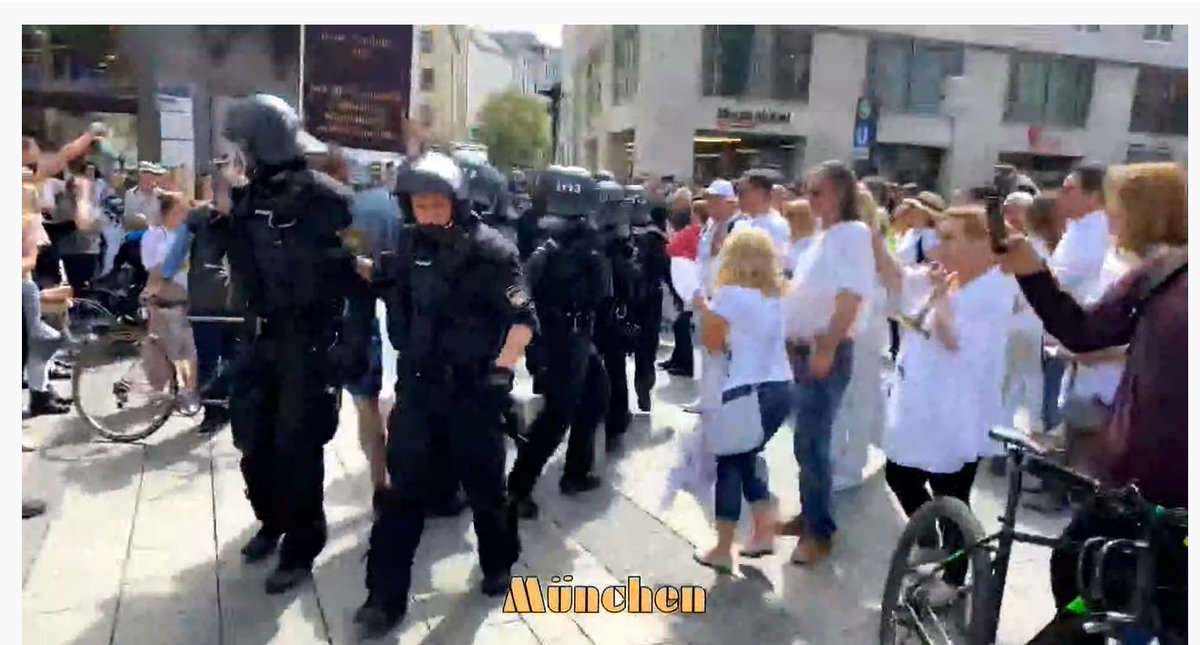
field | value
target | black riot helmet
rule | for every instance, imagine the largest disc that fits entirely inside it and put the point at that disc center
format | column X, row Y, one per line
column 485, row 186
column 565, row 192
column 434, row 172
column 612, row 214
column 637, row 206
column 265, row 129
column 517, row 182
column 604, row 175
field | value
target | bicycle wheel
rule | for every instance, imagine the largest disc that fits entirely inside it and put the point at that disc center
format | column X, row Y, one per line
column 125, row 387
column 920, row 605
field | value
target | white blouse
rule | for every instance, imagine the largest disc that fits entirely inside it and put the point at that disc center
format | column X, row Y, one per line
column 945, row 403
column 838, row 259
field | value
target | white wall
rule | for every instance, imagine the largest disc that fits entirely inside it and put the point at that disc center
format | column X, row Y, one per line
column 488, row 72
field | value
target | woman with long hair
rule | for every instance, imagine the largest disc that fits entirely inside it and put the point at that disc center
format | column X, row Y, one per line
column 744, row 321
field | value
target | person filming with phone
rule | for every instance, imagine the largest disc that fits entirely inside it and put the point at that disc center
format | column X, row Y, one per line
column 1144, row 434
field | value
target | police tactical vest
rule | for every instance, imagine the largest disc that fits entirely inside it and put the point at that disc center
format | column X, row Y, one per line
column 291, row 224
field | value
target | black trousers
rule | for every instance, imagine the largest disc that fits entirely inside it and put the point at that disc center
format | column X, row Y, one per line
column 81, row 269
column 467, row 418
column 649, row 315
column 683, row 356
column 284, row 402
column 576, row 395
column 909, row 486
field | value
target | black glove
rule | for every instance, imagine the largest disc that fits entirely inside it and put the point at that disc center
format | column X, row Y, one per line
column 501, row 380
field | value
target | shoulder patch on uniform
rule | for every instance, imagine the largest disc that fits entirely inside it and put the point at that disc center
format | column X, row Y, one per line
column 517, row 296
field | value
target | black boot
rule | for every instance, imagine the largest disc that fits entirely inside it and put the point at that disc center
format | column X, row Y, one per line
column 643, row 401
column 375, row 618
column 525, row 508
column 287, row 576
column 575, row 485
column 214, row 419
column 496, row 583
column 261, row 545
column 32, row 508
column 44, row 402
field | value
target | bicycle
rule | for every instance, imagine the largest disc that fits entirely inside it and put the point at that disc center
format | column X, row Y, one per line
column 914, row 598
column 136, row 388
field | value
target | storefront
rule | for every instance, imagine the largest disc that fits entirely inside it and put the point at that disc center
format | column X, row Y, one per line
column 903, row 164
column 1047, row 170
column 729, row 154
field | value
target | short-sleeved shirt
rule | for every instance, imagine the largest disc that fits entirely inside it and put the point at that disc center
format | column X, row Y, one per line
column 757, row 352
column 144, row 202
column 839, row 259
column 776, row 226
column 155, row 244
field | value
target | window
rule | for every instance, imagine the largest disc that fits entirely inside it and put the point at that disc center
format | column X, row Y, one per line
column 426, row 41
column 1051, row 91
column 593, row 84
column 770, row 62
column 1158, row 33
column 625, row 63
column 906, row 75
column 426, row 115
column 1160, row 102
column 426, row 79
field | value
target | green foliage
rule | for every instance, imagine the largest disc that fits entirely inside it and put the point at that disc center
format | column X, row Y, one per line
column 515, row 128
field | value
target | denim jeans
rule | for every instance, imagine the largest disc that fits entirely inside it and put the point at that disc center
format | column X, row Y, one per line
column 746, row 473
column 817, row 402
column 215, row 350
column 1053, row 369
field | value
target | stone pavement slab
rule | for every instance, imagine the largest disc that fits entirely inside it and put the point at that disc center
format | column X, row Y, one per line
column 142, row 542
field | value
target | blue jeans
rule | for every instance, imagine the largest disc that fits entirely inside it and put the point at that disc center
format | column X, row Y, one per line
column 746, row 473
column 216, row 343
column 1053, row 369
column 817, row 402
column 371, row 382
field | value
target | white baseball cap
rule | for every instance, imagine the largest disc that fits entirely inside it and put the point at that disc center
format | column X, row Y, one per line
column 721, row 188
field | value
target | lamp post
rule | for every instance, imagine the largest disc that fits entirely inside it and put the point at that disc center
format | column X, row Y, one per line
column 554, row 93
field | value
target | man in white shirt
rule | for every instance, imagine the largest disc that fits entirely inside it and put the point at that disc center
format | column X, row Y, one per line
column 754, row 200
column 143, row 198
column 1079, row 256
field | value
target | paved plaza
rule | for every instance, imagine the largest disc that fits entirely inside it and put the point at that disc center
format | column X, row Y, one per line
column 140, row 547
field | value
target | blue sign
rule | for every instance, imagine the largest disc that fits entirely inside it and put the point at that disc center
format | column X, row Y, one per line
column 864, row 129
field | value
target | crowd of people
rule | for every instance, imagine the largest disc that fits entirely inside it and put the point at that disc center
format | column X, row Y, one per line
column 856, row 311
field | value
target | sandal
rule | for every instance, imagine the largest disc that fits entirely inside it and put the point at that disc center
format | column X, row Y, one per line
column 722, row 565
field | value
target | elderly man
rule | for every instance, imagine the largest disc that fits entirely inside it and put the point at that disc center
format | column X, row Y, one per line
column 142, row 199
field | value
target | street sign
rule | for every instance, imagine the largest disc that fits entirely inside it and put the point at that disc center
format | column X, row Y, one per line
column 865, row 123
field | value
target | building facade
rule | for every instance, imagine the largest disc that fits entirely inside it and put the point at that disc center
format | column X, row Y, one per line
column 952, row 101
column 440, row 104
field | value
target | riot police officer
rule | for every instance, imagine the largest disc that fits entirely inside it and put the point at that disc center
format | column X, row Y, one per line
column 489, row 197
column 569, row 281
column 616, row 331
column 285, row 250
column 604, row 175
column 650, row 242
column 460, row 317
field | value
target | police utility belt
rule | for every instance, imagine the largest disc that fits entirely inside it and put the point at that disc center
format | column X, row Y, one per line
column 581, row 322
column 292, row 323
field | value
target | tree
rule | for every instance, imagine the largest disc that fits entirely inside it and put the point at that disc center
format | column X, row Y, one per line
column 516, row 129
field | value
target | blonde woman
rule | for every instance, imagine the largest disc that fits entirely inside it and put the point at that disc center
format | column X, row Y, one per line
column 859, row 421
column 743, row 320
column 800, row 220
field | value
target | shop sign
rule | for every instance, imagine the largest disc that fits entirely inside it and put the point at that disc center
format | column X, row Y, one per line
column 865, row 124
column 729, row 118
column 357, row 84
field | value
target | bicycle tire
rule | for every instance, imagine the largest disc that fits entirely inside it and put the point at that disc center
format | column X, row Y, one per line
column 946, row 510
column 108, row 346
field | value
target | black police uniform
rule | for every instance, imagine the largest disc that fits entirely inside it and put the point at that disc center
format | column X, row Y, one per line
column 569, row 281
column 616, row 331
column 650, row 239
column 452, row 295
column 284, row 388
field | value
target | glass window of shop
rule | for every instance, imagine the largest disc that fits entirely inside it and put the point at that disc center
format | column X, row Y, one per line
column 1160, row 102
column 1047, row 171
column 625, row 63
column 748, row 61
column 921, row 165
column 906, row 75
column 718, row 154
column 1048, row 90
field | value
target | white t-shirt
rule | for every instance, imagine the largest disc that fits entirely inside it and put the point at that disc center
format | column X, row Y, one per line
column 906, row 246
column 838, row 259
column 155, row 244
column 1079, row 256
column 756, row 343
column 775, row 226
column 945, row 403
column 1101, row 380
column 797, row 249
